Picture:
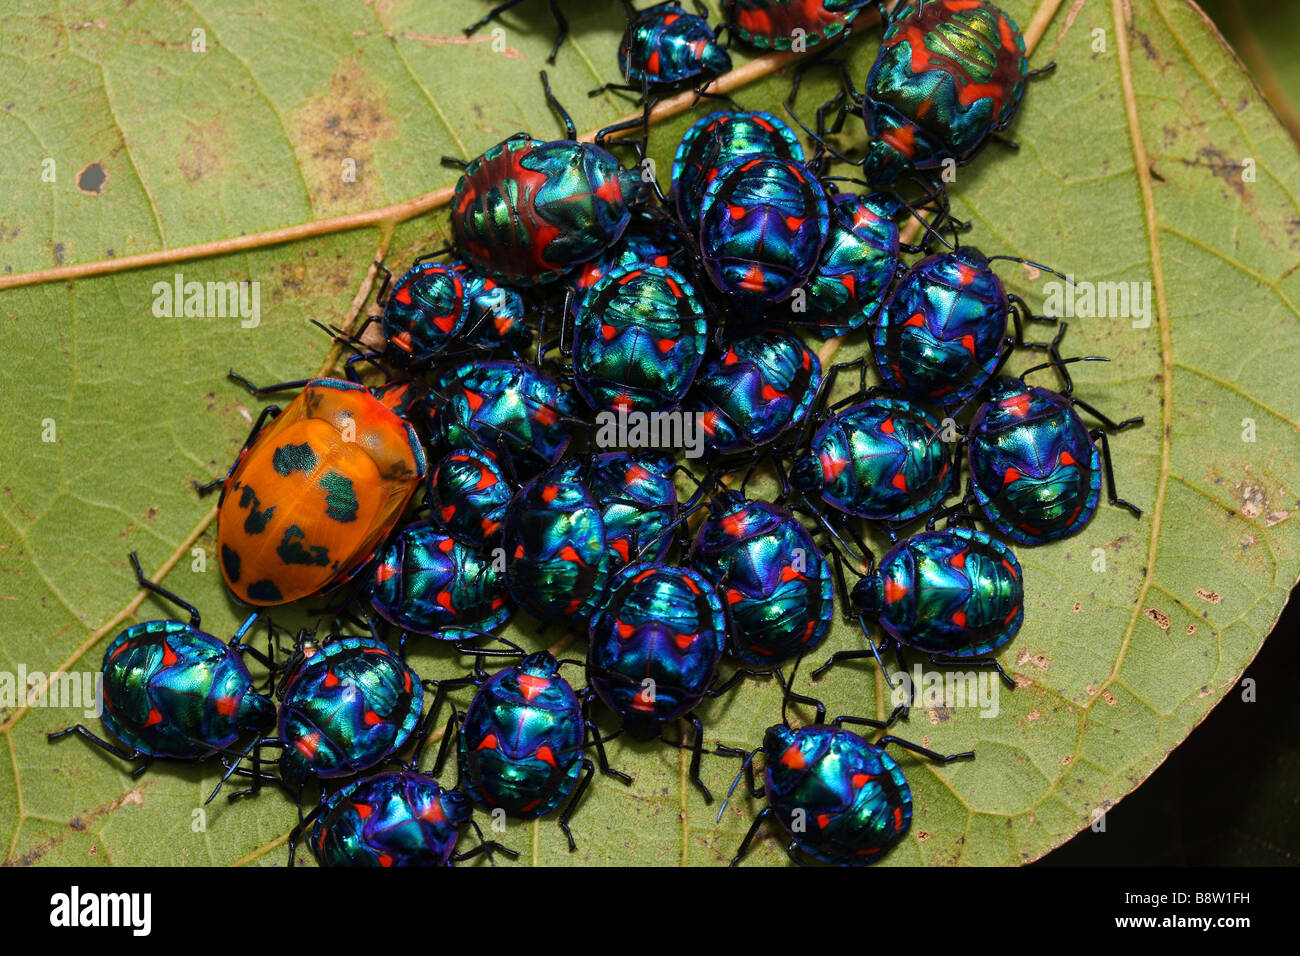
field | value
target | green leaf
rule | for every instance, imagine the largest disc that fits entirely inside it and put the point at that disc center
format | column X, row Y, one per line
column 1147, row 157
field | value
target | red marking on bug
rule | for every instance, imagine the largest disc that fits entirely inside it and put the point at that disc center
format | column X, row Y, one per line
column 549, row 493
column 519, row 551
column 1010, row 476
column 770, row 394
column 446, row 545
column 902, row 139
column 1017, row 405
column 363, row 810
column 1067, row 459
column 545, row 755
column 567, row 553
column 653, row 62
column 635, row 474
column 385, row 859
column 899, row 481
column 753, row 281
column 822, row 820
column 959, row 618
column 475, row 400
column 530, row 685
column 403, row 294
column 734, row 524
column 625, row 631
column 789, row 574
column 737, row 212
column 666, row 345
column 623, row 402
column 734, row 596
column 546, row 415
column 685, row 640
column 959, row 559
column 731, row 358
column 308, row 745
column 860, row 780
column 610, row 191
column 794, row 223
column 227, row 705
column 917, row 319
column 489, row 743
column 490, row 527
column 1010, row 570
column 485, row 480
column 154, row 718
column 898, row 818
column 620, row 546
column 608, row 331
column 968, row 343
column 793, row 758
column 894, row 591
column 831, row 466
column 709, row 421
column 169, row 655
column 444, row 600
column 433, row 813
column 371, row 718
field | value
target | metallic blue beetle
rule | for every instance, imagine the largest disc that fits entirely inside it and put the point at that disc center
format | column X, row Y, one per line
column 839, row 799
column 345, row 707
column 639, row 503
column 495, row 316
column 664, row 46
column 760, row 386
column 881, row 459
column 173, row 691
column 858, row 262
column 956, row 595
column 395, row 818
column 512, row 409
column 467, row 496
column 776, row 582
column 763, row 222
column 943, row 333
column 424, row 311
column 520, row 743
column 1034, row 466
column 715, row 140
column 638, row 338
column 654, row 650
column 557, row 559
column 427, row 582
column 645, row 242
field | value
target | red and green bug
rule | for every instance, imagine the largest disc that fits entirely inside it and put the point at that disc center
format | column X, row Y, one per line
column 314, row 492
column 527, row 212
column 780, row 24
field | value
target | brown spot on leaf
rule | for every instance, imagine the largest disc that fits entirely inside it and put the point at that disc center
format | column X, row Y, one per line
column 1191, row 629
column 922, row 836
column 1160, row 617
column 1108, row 697
column 1207, row 595
column 335, row 132
column 1067, row 760
column 1033, row 660
column 203, row 150
column 91, row 179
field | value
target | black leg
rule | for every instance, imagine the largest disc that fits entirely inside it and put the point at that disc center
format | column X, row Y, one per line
column 749, row 836
column 269, row 412
column 82, row 731
column 562, row 33
column 924, row 752
column 560, row 111
column 982, row 663
column 588, row 769
column 601, row 759
column 697, row 753
column 261, row 391
column 163, row 592
column 1108, row 423
column 489, row 847
column 493, row 14
column 1098, row 434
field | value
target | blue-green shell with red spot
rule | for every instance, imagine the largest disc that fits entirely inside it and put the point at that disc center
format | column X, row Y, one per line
column 557, row 560
column 776, row 24
column 171, row 690
column 654, row 648
column 760, row 386
column 427, row 582
column 520, row 743
column 715, row 140
column 763, row 222
column 940, row 336
column 858, row 262
column 882, row 460
column 345, row 707
column 664, row 45
column 426, row 309
column 957, row 593
column 495, row 316
column 1033, row 466
column 467, row 496
column 842, row 800
column 948, row 73
column 638, row 503
column 396, row 818
column 638, row 340
column 511, row 409
column 774, row 580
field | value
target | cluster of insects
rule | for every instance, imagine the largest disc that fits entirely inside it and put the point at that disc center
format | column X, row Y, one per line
column 454, row 477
